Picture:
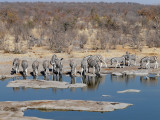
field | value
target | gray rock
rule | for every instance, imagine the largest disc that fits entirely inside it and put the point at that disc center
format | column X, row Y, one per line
column 129, row 90
column 117, row 73
column 141, row 72
column 14, row 110
column 44, row 84
column 2, row 77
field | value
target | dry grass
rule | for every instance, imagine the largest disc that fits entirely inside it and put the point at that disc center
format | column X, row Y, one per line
column 40, row 52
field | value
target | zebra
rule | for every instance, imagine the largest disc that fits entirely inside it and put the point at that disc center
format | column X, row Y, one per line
column 129, row 58
column 95, row 65
column 24, row 65
column 35, row 66
column 59, row 66
column 52, row 62
column 46, row 67
column 73, row 66
column 118, row 60
column 96, row 58
column 153, row 59
column 84, row 64
column 148, row 60
column 100, row 59
column 15, row 65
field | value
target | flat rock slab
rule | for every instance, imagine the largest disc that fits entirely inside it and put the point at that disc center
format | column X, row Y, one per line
column 129, row 90
column 137, row 72
column 106, row 96
column 37, row 84
column 141, row 72
column 77, row 105
column 117, row 73
column 16, row 115
column 15, row 110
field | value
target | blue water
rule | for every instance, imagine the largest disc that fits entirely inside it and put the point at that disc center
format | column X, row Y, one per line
column 146, row 103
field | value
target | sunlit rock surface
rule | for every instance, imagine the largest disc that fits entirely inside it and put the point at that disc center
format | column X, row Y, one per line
column 117, row 73
column 137, row 72
column 129, row 90
column 14, row 110
column 43, row 84
column 106, row 96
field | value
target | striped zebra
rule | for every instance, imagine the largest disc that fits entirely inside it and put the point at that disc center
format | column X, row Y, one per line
column 148, row 60
column 84, row 65
column 73, row 66
column 118, row 61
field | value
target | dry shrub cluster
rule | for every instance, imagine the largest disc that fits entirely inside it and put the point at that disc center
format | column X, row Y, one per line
column 59, row 25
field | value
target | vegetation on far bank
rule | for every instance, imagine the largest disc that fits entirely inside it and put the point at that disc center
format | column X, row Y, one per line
column 65, row 27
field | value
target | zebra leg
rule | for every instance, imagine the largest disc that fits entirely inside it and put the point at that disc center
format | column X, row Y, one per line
column 81, row 80
column 147, row 66
column 156, row 65
column 93, row 70
column 141, row 65
column 116, row 65
column 52, row 69
column 101, row 65
column 128, row 63
column 82, row 71
column 16, row 70
column 36, row 72
column 75, row 71
column 26, row 72
column 58, row 71
column 86, row 69
column 123, row 65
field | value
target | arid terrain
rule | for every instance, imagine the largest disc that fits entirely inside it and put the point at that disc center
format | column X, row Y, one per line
column 36, row 31
column 42, row 53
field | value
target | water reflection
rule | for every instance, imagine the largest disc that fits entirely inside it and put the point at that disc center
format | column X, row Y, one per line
column 73, row 79
column 143, row 79
column 123, row 78
column 93, row 81
column 24, row 88
column 57, row 77
column 16, row 89
column 24, row 77
column 35, row 77
column 149, row 80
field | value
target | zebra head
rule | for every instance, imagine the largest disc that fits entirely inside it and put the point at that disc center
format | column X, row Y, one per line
column 102, row 60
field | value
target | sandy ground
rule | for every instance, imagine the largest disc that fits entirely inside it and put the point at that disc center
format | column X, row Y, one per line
column 42, row 53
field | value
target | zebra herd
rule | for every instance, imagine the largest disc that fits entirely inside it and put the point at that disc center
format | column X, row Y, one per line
column 91, row 61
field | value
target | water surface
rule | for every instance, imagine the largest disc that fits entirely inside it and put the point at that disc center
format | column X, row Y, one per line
column 146, row 103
